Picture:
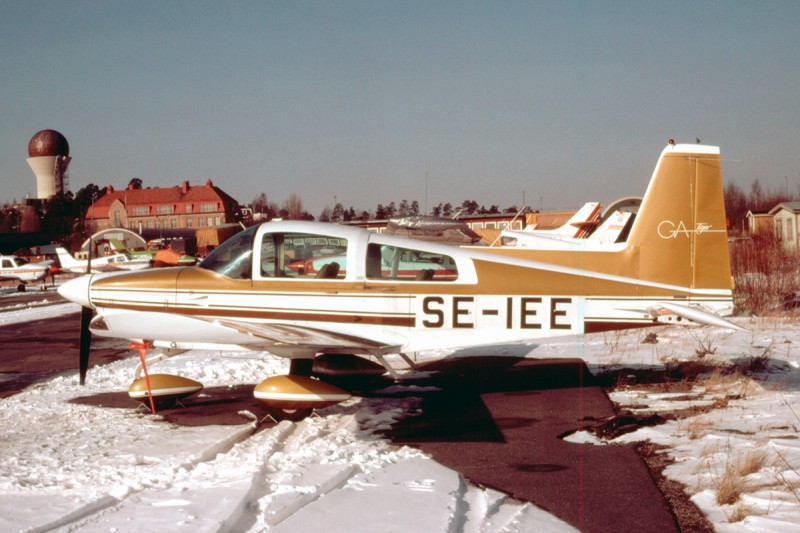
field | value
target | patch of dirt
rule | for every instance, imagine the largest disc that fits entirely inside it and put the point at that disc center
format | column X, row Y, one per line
column 675, row 378
column 687, row 515
column 626, row 422
column 674, row 375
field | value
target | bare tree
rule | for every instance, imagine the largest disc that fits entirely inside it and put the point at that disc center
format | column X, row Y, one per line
column 292, row 209
column 735, row 205
column 30, row 219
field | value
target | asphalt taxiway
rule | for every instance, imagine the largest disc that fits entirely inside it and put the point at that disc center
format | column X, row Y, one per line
column 501, row 423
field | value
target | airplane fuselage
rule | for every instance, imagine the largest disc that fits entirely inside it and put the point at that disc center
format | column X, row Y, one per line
column 493, row 298
column 15, row 269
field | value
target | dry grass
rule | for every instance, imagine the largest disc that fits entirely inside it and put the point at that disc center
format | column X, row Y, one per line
column 697, row 428
column 740, row 512
column 732, row 384
column 709, row 450
column 706, row 345
column 720, row 380
column 733, row 482
column 792, row 485
column 719, row 403
column 730, row 487
column 613, row 341
column 764, row 274
column 751, row 461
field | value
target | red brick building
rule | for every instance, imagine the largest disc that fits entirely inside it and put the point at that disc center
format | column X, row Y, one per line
column 181, row 207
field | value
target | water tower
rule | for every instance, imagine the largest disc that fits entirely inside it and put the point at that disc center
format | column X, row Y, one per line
column 48, row 153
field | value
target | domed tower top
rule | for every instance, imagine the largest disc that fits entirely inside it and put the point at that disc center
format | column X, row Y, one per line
column 48, row 143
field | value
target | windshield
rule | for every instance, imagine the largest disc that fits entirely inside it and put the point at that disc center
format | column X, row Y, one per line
column 233, row 258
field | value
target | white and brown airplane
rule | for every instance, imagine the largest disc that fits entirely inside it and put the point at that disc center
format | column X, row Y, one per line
column 120, row 260
column 15, row 268
column 389, row 295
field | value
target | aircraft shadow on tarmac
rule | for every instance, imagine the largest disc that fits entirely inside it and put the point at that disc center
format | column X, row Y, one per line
column 450, row 409
column 212, row 406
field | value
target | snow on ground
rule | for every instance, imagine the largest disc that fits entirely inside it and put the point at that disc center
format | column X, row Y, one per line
column 26, row 312
column 37, row 309
column 735, row 446
column 68, row 466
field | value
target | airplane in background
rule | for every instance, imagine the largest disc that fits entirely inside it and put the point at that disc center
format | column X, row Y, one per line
column 18, row 269
column 609, row 232
column 578, row 226
column 107, row 263
column 160, row 257
column 673, row 269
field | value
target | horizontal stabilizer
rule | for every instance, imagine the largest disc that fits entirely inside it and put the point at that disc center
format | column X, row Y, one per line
column 698, row 315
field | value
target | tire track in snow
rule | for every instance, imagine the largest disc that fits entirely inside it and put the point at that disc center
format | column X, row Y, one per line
column 219, row 496
column 335, row 471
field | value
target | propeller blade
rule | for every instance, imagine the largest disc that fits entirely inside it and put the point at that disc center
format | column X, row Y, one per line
column 85, row 341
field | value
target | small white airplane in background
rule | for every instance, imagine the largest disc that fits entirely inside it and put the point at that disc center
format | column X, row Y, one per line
column 577, row 227
column 107, row 263
column 673, row 268
column 160, row 257
column 17, row 269
column 606, row 234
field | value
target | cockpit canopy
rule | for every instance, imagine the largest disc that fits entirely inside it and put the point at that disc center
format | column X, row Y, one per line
column 347, row 253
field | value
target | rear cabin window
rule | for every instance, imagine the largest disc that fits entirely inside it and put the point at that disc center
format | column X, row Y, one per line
column 299, row 255
column 404, row 264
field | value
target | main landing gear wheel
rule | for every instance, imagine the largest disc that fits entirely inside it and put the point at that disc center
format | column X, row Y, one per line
column 21, row 287
column 297, row 367
column 294, row 396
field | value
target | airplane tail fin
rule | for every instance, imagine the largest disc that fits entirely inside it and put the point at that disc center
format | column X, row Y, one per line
column 66, row 260
column 581, row 222
column 116, row 245
column 679, row 236
column 610, row 229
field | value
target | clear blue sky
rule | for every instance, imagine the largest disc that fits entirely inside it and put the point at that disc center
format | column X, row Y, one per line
column 566, row 101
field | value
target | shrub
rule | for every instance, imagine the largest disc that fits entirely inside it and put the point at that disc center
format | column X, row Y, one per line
column 764, row 273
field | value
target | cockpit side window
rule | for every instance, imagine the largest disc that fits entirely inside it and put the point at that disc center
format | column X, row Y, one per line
column 233, row 258
column 269, row 264
column 302, row 255
column 405, row 264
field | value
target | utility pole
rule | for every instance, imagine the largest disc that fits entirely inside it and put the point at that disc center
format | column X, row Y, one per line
column 425, row 207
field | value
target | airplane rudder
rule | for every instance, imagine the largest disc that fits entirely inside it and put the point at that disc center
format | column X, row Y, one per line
column 680, row 230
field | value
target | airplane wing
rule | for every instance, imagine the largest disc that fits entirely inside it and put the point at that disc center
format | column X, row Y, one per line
column 289, row 338
column 285, row 339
